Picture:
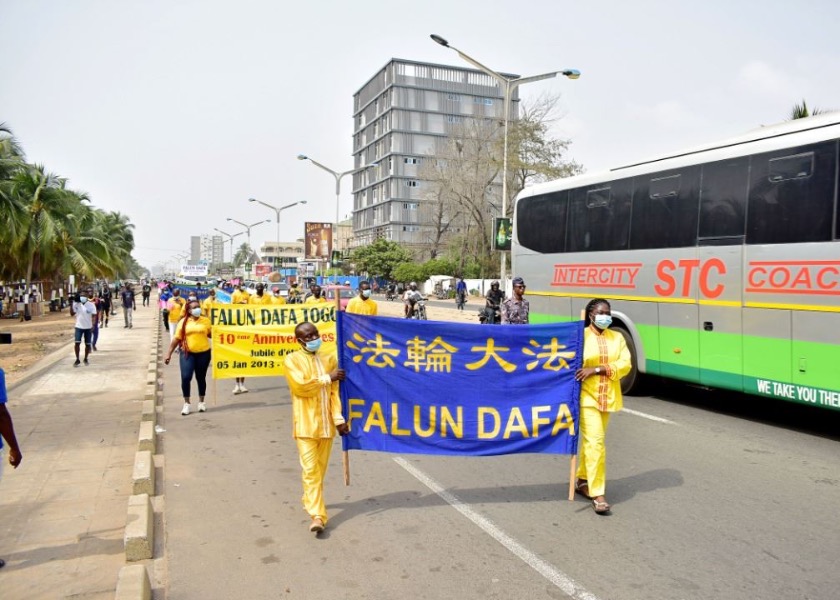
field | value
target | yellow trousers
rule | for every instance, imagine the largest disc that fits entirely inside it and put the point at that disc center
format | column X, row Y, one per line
column 314, row 459
column 593, row 453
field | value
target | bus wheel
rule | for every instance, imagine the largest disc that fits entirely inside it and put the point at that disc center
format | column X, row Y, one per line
column 629, row 383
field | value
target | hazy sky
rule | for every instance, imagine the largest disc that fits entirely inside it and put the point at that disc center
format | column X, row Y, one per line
column 175, row 112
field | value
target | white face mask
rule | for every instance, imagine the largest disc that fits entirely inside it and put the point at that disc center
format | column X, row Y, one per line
column 196, row 312
column 365, row 293
column 193, row 298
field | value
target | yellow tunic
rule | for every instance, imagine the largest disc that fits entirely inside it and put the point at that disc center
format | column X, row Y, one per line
column 239, row 297
column 607, row 349
column 198, row 333
column 313, row 300
column 257, row 299
column 316, row 408
column 360, row 306
column 278, row 300
column 176, row 307
column 206, row 305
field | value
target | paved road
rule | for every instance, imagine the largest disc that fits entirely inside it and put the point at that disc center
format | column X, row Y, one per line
column 706, row 505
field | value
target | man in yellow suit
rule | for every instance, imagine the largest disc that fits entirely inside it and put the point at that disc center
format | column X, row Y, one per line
column 313, row 378
column 276, row 298
column 240, row 295
column 362, row 304
column 317, row 297
column 260, row 297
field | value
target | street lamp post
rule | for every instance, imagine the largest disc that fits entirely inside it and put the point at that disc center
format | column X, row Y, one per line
column 248, row 228
column 338, row 175
column 230, row 239
column 509, row 85
column 277, row 211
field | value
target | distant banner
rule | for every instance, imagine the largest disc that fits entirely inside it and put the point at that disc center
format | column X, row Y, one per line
column 194, row 270
column 318, row 241
column 192, row 290
column 428, row 387
column 253, row 340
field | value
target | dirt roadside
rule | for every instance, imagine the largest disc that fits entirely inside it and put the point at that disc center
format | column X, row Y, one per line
column 32, row 340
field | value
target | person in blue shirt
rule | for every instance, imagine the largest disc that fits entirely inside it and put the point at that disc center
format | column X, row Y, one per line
column 7, row 433
column 165, row 295
column 460, row 293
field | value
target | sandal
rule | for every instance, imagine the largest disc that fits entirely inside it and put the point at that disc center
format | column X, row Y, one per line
column 600, row 506
column 582, row 487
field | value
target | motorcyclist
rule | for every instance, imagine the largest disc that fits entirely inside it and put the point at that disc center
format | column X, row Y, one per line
column 392, row 291
column 493, row 304
column 410, row 298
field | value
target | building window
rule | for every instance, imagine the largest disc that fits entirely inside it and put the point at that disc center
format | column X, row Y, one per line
column 411, row 183
column 411, row 228
column 411, row 161
column 410, row 205
column 453, row 97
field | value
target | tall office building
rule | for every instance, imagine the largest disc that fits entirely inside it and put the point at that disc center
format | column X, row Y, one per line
column 401, row 117
column 206, row 249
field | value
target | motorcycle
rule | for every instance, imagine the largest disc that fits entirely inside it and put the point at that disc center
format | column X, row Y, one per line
column 418, row 310
column 490, row 316
column 390, row 295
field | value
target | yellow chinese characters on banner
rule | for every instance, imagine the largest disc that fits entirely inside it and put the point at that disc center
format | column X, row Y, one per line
column 253, row 340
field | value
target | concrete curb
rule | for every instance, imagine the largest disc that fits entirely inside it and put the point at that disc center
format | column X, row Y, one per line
column 139, row 528
column 143, row 476
column 146, row 437
column 133, row 583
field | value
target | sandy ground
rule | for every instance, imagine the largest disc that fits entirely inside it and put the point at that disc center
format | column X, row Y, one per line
column 32, row 340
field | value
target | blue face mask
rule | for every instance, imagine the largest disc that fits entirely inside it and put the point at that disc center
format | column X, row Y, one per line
column 83, row 299
column 196, row 312
column 602, row 321
column 365, row 293
column 313, row 345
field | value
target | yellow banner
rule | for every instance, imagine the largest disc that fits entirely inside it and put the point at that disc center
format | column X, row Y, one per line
column 253, row 340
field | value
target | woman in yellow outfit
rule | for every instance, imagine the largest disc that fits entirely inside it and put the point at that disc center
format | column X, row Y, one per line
column 176, row 309
column 192, row 336
column 313, row 378
column 606, row 360
column 207, row 303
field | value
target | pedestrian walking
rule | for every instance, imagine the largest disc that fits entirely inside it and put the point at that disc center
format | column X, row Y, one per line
column 175, row 305
column 460, row 294
column 207, row 303
column 516, row 309
column 192, row 337
column 84, row 312
column 7, row 433
column 94, row 330
column 128, row 305
column 313, row 378
column 107, row 300
column 362, row 304
column 260, row 297
column 606, row 360
column 147, row 291
column 276, row 297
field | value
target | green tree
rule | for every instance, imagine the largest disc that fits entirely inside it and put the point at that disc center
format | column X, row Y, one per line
column 380, row 258
column 800, row 111
column 409, row 271
column 243, row 253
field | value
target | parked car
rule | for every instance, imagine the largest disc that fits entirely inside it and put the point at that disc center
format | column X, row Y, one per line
column 345, row 292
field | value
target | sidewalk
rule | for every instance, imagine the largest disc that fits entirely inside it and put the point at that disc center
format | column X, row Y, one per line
column 63, row 511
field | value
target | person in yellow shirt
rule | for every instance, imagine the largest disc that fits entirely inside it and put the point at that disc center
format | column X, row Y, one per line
column 362, row 304
column 317, row 297
column 240, row 295
column 192, row 336
column 207, row 304
column 313, row 377
column 176, row 309
column 276, row 298
column 260, row 297
column 606, row 360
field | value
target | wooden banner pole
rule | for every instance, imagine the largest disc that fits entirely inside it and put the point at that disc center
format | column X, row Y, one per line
column 572, row 473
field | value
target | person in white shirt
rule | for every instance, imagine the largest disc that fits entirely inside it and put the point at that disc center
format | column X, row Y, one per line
column 84, row 311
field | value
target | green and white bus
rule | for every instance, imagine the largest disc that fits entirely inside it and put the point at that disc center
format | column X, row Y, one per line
column 722, row 263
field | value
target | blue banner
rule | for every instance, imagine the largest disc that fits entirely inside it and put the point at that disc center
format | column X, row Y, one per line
column 432, row 387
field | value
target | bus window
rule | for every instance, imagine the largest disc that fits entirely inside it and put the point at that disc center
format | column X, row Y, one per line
column 665, row 209
column 792, row 195
column 723, row 198
column 541, row 222
column 599, row 217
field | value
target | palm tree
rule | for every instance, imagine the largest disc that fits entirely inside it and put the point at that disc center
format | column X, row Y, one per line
column 800, row 111
column 243, row 253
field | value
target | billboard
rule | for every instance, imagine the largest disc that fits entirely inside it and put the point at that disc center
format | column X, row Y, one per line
column 502, row 232
column 318, row 241
column 262, row 269
column 194, row 270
